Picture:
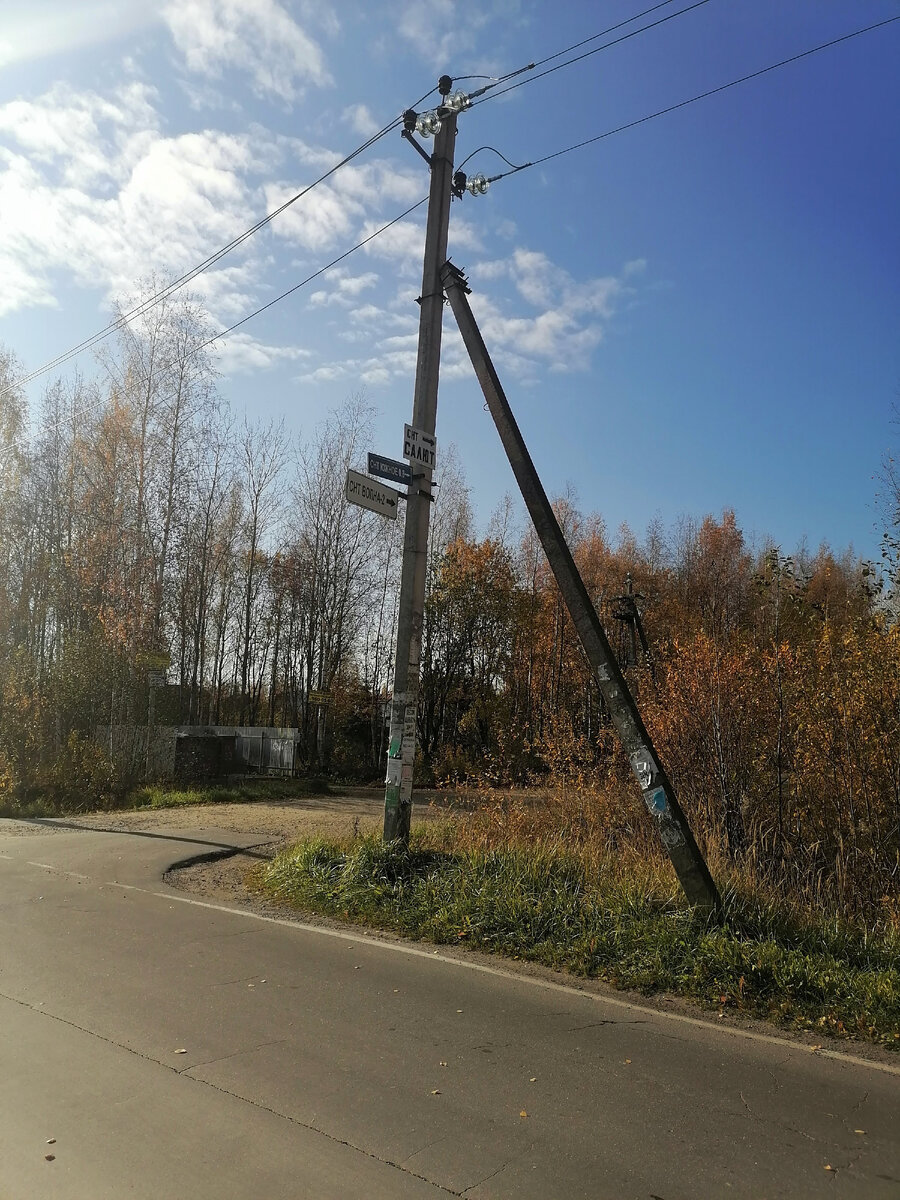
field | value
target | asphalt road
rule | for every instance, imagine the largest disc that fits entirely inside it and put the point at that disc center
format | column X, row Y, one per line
column 154, row 1045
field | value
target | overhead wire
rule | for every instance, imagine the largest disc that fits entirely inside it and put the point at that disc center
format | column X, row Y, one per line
column 158, row 297
column 148, row 303
column 497, row 79
column 701, row 96
column 315, row 275
column 603, row 32
column 495, row 151
column 513, row 170
column 482, row 95
column 194, row 350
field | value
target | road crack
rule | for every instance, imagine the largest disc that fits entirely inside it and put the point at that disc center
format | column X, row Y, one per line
column 492, row 1175
column 234, row 1054
column 387, row 1162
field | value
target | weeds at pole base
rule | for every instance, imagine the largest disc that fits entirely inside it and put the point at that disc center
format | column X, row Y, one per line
column 622, row 923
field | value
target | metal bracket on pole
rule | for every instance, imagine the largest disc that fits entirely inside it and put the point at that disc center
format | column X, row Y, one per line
column 656, row 789
column 407, row 134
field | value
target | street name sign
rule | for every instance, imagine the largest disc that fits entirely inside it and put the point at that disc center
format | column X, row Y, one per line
column 389, row 468
column 368, row 493
column 419, row 447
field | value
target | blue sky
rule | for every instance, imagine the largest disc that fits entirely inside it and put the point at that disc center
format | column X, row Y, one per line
column 697, row 313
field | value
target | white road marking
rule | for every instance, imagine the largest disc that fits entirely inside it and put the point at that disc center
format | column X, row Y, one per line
column 49, row 867
column 547, row 984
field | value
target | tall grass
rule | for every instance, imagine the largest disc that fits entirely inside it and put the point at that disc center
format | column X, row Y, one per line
column 158, row 796
column 562, row 880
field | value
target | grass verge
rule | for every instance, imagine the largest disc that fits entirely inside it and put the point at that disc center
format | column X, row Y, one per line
column 626, row 927
column 240, row 793
column 161, row 796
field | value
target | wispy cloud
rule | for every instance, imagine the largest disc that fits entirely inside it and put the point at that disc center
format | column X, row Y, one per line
column 258, row 37
column 360, row 120
column 344, row 289
column 568, row 317
column 241, row 352
column 562, row 322
column 35, row 31
column 92, row 189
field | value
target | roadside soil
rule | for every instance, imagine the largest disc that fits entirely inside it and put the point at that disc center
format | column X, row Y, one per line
column 278, row 823
column 356, row 811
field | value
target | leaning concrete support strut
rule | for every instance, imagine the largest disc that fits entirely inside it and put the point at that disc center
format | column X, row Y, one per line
column 656, row 789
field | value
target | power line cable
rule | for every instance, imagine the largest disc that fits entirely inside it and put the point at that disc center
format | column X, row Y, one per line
column 169, row 289
column 495, row 151
column 603, row 32
column 559, row 153
column 334, row 262
column 587, row 54
column 96, row 406
column 145, row 305
column 702, row 95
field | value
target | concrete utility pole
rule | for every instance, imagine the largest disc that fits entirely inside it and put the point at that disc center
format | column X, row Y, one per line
column 402, row 744
column 657, row 790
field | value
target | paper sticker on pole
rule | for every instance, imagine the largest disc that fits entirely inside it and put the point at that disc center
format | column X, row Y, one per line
column 419, row 447
column 369, row 493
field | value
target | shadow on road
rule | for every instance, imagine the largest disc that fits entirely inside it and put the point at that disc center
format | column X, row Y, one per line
column 220, row 847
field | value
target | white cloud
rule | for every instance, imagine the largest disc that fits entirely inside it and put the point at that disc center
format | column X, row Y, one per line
column 571, row 317
column 360, row 120
column 565, row 319
column 241, row 351
column 256, row 36
column 326, row 216
column 88, row 138
column 402, row 244
column 91, row 188
column 446, row 29
column 38, row 30
column 345, row 289
column 92, row 191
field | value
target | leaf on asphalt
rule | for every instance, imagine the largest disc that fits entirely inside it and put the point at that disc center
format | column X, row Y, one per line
column 182, row 1051
column 442, row 1064
column 859, row 1131
column 627, row 1062
column 533, row 1079
column 523, row 1113
column 49, row 1157
column 52, row 1141
column 829, row 1167
column 435, row 1091
column 813, row 1049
